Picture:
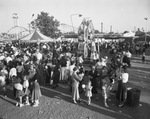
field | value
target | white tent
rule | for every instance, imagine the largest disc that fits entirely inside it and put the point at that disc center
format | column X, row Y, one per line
column 129, row 34
column 36, row 37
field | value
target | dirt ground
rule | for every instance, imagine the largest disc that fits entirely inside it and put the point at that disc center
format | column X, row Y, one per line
column 57, row 103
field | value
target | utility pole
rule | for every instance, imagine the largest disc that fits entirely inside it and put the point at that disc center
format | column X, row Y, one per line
column 102, row 27
column 110, row 28
column 145, row 28
column 80, row 15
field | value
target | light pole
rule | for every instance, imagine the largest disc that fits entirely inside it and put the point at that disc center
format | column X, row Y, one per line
column 145, row 27
column 80, row 15
column 15, row 17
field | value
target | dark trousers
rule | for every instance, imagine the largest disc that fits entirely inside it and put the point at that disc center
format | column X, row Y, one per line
column 121, row 92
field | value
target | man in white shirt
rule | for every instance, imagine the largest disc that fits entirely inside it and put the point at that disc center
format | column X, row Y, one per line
column 124, row 78
column 128, row 54
column 38, row 55
column 2, row 57
column 12, row 73
column 80, row 60
column 8, row 59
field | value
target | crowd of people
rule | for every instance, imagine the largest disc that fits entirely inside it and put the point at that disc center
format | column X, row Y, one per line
column 27, row 66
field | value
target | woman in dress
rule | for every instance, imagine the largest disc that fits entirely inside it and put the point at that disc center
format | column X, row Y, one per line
column 88, row 91
column 105, row 90
column 36, row 91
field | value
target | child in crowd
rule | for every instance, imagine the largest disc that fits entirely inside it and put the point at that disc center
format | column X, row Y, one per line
column 88, row 91
column 86, row 78
column 26, row 90
column 18, row 88
column 105, row 91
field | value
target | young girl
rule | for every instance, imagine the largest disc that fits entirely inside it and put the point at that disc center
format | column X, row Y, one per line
column 26, row 90
column 88, row 91
column 105, row 91
column 18, row 88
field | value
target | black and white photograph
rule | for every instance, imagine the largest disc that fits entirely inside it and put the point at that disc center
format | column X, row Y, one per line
column 74, row 59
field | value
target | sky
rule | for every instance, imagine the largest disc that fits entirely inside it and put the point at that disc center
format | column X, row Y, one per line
column 122, row 15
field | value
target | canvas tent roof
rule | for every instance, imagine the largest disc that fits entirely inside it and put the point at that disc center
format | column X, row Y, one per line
column 129, row 34
column 36, row 37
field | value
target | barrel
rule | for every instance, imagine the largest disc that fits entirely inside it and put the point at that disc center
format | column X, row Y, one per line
column 133, row 97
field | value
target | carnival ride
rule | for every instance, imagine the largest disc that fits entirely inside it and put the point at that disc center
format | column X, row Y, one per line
column 86, row 38
column 17, row 33
column 14, row 34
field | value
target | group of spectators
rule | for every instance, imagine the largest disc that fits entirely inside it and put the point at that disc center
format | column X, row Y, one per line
column 26, row 66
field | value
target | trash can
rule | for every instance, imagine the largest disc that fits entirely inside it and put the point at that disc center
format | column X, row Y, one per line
column 133, row 97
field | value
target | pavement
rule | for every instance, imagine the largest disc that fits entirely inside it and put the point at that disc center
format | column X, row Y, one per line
column 57, row 103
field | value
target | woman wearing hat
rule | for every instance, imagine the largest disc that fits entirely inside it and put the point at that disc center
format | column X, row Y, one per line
column 35, row 92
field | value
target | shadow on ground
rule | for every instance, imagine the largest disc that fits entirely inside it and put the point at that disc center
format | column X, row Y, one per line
column 62, row 93
column 97, row 106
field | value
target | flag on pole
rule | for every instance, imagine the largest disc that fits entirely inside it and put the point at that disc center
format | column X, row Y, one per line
column 146, row 18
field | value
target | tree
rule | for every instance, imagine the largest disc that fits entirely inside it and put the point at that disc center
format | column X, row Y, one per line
column 96, row 32
column 47, row 25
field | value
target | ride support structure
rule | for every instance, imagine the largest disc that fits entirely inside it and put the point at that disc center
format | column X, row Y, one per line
column 86, row 38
